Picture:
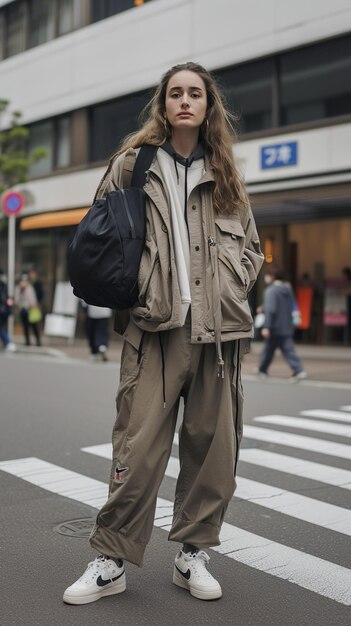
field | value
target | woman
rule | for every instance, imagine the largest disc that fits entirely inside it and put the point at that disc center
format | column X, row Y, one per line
column 185, row 337
column 26, row 299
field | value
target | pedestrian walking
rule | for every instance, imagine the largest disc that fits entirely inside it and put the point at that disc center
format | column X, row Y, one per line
column 6, row 305
column 185, row 337
column 26, row 300
column 37, row 284
column 278, row 326
column 97, row 330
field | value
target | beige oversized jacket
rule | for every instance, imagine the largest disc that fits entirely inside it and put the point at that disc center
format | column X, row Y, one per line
column 225, row 260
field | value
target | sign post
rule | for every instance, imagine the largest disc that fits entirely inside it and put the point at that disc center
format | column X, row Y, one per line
column 12, row 203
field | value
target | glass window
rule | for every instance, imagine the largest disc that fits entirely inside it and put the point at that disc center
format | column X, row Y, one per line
column 41, row 22
column 15, row 28
column 315, row 81
column 41, row 135
column 65, row 16
column 100, row 9
column 111, row 121
column 248, row 91
column 2, row 34
column 105, row 8
column 63, row 143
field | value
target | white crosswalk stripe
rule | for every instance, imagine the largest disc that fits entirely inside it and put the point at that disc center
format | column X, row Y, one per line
column 307, row 509
column 298, row 467
column 305, row 424
column 324, row 414
column 311, row 444
column 306, row 570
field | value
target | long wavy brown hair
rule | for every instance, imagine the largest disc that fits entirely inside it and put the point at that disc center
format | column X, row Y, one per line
column 217, row 134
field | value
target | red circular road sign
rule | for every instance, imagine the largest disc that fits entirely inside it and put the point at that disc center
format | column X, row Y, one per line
column 12, row 202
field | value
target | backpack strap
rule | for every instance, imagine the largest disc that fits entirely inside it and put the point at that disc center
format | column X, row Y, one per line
column 129, row 162
column 144, row 159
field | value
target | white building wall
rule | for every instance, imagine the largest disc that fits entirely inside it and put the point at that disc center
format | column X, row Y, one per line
column 324, row 154
column 131, row 50
column 321, row 151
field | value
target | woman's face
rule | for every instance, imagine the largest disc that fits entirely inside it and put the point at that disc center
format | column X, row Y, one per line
column 186, row 101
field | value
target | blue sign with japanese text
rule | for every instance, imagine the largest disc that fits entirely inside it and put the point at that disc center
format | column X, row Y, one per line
column 279, row 155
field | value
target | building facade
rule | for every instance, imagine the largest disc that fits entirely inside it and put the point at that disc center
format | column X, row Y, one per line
column 82, row 70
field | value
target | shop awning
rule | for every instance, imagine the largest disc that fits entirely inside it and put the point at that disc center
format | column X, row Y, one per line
column 298, row 205
column 53, row 219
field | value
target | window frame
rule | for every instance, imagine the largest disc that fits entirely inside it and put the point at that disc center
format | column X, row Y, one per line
column 79, row 19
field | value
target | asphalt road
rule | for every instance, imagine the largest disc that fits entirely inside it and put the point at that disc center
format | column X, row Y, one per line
column 285, row 554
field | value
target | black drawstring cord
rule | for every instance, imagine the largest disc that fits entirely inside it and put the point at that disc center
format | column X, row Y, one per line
column 186, row 190
column 163, row 370
column 176, row 167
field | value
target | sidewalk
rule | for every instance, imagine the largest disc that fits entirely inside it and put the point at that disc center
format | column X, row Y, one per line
column 323, row 363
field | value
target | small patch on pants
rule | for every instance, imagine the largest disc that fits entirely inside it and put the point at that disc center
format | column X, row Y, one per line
column 120, row 471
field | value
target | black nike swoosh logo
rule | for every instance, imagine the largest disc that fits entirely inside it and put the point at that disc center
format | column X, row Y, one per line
column 101, row 582
column 184, row 574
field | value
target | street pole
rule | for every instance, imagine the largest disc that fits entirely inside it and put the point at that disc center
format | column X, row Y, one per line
column 11, row 251
column 12, row 203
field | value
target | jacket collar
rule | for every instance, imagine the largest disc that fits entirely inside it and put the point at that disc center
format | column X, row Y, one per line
column 208, row 175
column 198, row 153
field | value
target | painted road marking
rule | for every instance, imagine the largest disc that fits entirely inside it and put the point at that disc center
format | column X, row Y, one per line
column 323, row 414
column 298, row 467
column 322, row 446
column 305, row 424
column 301, row 507
column 104, row 450
column 283, row 463
column 58, row 480
column 305, row 570
column 289, row 503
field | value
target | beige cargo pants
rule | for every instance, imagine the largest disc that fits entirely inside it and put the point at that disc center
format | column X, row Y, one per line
column 142, row 440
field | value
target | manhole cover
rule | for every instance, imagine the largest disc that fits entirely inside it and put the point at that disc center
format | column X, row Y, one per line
column 76, row 527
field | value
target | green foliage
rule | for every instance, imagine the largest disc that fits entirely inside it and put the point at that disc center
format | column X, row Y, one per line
column 14, row 158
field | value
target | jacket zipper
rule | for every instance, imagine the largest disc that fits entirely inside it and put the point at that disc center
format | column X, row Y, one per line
column 130, row 219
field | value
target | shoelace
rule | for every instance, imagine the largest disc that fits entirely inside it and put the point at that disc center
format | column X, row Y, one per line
column 94, row 567
column 199, row 559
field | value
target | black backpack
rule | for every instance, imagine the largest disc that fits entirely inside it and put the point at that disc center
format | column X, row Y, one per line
column 105, row 252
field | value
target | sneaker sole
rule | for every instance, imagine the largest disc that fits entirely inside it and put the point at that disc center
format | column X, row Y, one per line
column 118, row 587
column 214, row 594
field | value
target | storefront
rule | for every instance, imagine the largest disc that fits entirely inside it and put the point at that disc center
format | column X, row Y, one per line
column 310, row 237
column 300, row 190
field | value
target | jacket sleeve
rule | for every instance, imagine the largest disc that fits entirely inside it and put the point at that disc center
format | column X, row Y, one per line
column 112, row 179
column 252, row 258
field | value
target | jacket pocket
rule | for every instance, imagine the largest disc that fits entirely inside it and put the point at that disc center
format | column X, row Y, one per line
column 147, row 268
column 230, row 238
column 154, row 286
column 233, row 277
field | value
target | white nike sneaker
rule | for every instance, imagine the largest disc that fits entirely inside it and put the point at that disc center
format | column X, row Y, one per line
column 190, row 572
column 102, row 577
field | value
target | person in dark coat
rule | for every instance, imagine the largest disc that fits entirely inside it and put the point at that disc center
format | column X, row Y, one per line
column 278, row 327
column 6, row 304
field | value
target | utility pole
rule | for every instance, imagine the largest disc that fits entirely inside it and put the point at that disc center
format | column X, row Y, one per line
column 12, row 204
